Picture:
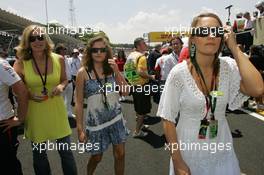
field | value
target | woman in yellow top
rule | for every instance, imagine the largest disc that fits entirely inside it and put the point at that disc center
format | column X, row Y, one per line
column 44, row 75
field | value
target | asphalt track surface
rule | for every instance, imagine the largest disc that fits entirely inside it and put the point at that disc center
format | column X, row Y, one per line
column 148, row 157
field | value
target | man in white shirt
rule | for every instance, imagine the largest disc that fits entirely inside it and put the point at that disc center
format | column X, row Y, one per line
column 81, row 52
column 75, row 65
column 260, row 7
column 172, row 59
column 248, row 37
column 8, row 119
column 68, row 92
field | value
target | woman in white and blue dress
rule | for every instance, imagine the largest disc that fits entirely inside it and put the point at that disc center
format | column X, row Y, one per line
column 200, row 89
column 99, row 81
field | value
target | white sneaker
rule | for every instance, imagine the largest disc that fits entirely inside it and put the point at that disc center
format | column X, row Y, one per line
column 140, row 134
column 260, row 106
column 145, row 127
column 123, row 98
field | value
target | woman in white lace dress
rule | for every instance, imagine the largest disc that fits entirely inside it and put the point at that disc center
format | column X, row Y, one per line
column 199, row 90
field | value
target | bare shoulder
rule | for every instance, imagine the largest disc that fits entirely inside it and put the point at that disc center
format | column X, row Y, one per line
column 82, row 73
column 61, row 59
column 19, row 64
column 19, row 67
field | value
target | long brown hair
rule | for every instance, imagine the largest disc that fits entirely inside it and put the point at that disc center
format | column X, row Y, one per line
column 87, row 60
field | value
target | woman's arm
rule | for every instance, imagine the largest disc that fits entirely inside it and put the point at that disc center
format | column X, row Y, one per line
column 251, row 80
column 19, row 68
column 63, row 79
column 180, row 166
column 79, row 103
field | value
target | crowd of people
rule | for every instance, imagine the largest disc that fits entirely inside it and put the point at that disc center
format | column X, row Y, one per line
column 195, row 84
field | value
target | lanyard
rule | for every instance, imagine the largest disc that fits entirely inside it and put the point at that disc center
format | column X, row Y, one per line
column 104, row 86
column 210, row 101
column 175, row 56
column 43, row 80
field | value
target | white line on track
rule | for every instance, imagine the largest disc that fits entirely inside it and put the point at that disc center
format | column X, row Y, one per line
column 260, row 117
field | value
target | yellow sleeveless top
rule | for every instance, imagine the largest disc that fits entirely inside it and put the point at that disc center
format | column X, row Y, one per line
column 46, row 120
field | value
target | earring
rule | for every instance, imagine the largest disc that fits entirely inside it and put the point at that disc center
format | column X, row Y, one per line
column 193, row 50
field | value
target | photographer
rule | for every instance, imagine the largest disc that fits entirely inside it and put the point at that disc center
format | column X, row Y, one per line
column 257, row 59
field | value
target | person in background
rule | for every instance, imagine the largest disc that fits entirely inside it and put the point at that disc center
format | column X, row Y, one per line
column 184, row 55
column 136, row 71
column 257, row 59
column 75, row 64
column 68, row 92
column 159, row 68
column 80, row 52
column 248, row 27
column 44, row 75
column 152, row 58
column 159, row 72
column 9, row 120
column 172, row 59
column 120, row 61
column 3, row 53
column 260, row 7
column 239, row 26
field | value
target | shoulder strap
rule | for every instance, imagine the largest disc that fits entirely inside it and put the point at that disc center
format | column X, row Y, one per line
column 138, row 60
column 90, row 77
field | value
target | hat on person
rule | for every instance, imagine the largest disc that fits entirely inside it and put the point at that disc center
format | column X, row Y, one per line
column 75, row 51
column 259, row 4
column 239, row 15
column 164, row 50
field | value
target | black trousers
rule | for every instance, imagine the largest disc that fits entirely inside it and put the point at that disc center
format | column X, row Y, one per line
column 8, row 152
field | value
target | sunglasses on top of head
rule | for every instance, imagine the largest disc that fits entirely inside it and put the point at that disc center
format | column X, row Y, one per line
column 34, row 38
column 208, row 31
column 96, row 50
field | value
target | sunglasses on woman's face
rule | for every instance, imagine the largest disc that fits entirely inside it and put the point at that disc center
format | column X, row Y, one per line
column 96, row 50
column 34, row 38
column 208, row 31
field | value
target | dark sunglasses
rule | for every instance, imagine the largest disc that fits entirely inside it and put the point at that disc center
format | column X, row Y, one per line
column 34, row 38
column 208, row 31
column 96, row 50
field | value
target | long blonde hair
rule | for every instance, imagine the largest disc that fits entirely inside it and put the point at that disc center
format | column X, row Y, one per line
column 24, row 50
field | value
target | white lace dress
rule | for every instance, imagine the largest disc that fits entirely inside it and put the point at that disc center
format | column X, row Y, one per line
column 181, row 94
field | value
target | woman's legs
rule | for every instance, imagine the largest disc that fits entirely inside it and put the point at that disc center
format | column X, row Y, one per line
column 40, row 159
column 93, row 162
column 67, row 159
column 119, row 155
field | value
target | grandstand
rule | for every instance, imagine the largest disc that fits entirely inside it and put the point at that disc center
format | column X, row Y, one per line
column 12, row 26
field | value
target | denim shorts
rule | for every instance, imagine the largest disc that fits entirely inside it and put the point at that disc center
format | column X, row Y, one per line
column 115, row 134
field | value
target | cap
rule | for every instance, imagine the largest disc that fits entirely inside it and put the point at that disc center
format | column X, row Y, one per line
column 75, row 51
column 239, row 15
column 259, row 4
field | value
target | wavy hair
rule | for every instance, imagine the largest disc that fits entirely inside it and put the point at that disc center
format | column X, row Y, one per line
column 24, row 51
column 87, row 60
